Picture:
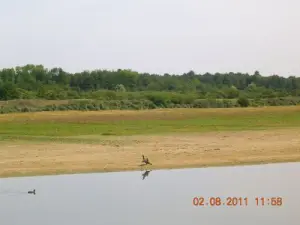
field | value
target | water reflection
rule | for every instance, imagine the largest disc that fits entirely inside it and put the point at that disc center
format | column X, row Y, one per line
column 12, row 191
column 16, row 192
column 146, row 174
column 167, row 196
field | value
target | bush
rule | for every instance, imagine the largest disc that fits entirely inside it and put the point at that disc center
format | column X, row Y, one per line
column 164, row 100
column 243, row 102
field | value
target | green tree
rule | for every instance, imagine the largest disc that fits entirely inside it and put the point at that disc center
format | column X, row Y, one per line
column 243, row 102
column 8, row 91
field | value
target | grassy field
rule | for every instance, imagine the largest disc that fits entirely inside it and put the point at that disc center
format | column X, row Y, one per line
column 72, row 141
column 77, row 123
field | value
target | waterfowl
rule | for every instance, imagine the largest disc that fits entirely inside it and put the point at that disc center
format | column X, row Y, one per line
column 146, row 160
column 32, row 192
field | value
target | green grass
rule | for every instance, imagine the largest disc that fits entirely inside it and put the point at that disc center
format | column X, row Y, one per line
column 142, row 127
column 200, row 122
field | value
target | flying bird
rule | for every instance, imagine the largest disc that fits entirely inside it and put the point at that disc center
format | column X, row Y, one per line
column 146, row 160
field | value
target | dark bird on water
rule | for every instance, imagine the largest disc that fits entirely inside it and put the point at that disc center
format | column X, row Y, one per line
column 31, row 192
column 146, row 160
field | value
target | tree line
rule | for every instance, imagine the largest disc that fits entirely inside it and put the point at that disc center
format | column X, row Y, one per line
column 37, row 82
column 37, row 78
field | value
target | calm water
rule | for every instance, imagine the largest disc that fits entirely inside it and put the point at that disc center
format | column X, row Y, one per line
column 163, row 197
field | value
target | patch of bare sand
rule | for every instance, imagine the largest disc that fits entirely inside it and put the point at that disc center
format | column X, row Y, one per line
column 170, row 151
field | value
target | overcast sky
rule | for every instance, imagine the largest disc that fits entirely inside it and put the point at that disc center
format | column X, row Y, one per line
column 155, row 36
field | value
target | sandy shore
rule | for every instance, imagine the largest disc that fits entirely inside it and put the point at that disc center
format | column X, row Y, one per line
column 168, row 151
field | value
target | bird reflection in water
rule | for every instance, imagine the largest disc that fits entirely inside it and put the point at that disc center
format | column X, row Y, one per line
column 146, row 174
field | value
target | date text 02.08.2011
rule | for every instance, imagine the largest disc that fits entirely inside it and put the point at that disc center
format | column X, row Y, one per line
column 237, row 201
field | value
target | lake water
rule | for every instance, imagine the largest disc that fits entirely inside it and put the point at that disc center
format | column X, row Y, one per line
column 163, row 197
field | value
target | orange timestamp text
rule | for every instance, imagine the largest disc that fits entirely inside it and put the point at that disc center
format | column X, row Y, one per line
column 237, row 201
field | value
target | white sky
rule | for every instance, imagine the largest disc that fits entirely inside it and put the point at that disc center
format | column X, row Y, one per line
column 155, row 36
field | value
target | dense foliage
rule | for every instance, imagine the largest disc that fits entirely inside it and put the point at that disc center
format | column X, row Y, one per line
column 146, row 90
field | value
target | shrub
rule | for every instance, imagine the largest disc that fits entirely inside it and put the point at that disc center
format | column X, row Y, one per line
column 243, row 102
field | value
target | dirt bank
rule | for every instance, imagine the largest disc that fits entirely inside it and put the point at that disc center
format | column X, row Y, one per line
column 169, row 151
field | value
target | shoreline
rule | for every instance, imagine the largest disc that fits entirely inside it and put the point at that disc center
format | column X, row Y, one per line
column 29, row 175
column 172, row 151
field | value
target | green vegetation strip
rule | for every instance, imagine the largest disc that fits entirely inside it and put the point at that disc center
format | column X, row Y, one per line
column 72, row 131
